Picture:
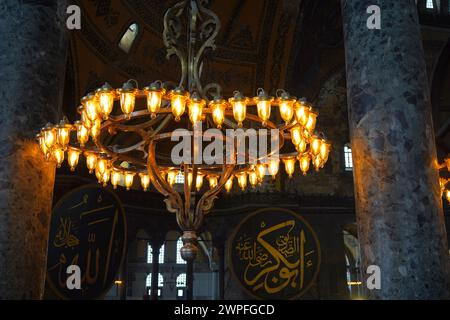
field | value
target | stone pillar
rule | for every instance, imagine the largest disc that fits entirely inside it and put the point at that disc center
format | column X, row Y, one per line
column 32, row 61
column 156, row 249
column 398, row 203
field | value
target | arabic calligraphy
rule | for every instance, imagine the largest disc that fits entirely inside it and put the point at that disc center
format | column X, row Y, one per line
column 278, row 259
column 89, row 233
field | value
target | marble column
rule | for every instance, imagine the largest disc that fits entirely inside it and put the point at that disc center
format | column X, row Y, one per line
column 32, row 69
column 156, row 250
column 399, row 210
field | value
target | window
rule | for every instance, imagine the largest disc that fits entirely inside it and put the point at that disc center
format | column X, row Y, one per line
column 430, row 4
column 348, row 158
column 150, row 254
column 181, row 284
column 160, row 282
column 129, row 37
column 180, row 260
column 179, row 179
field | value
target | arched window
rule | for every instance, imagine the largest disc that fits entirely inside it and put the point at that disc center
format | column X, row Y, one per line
column 160, row 282
column 179, row 179
column 129, row 37
column 181, row 284
column 150, row 254
column 180, row 260
column 348, row 158
column 430, row 4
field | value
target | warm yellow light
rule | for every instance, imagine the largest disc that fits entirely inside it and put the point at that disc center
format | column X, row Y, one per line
column 105, row 178
column 42, row 146
column 317, row 162
column 447, row 195
column 91, row 162
column 171, row 177
column 274, row 167
column 289, row 166
column 96, row 129
column 199, row 181
column 213, row 181
column 58, row 155
column 195, row 107
column 145, row 181
column 253, row 178
column 102, row 165
column 129, row 179
column 229, row 184
column 242, row 180
column 305, row 161
column 264, row 106
column 49, row 136
column 63, row 133
column 116, row 176
column 261, row 171
column 91, row 107
column 127, row 99
column 178, row 100
column 302, row 113
column 315, row 145
column 84, row 119
column 239, row 104
column 106, row 100
column 296, row 135
column 218, row 112
column 73, row 156
column 287, row 109
column 447, row 162
column 324, row 151
column 312, row 120
column 82, row 133
column 154, row 94
column 189, row 178
column 301, row 147
column 118, row 282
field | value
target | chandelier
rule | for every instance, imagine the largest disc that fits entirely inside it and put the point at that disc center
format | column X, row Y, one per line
column 150, row 116
column 443, row 182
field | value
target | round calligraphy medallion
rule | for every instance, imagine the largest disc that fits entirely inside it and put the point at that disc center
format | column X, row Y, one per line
column 88, row 230
column 275, row 254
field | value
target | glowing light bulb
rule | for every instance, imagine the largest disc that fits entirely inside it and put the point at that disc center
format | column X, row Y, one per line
column 301, row 147
column 96, row 129
column 239, row 104
column 82, row 133
column 213, row 181
column 42, row 146
column 171, row 177
column 302, row 112
column 229, row 184
column 253, row 178
column 199, row 181
column 315, row 145
column 263, row 104
column 154, row 94
column 217, row 108
column 317, row 162
column 447, row 195
column 289, row 166
column 91, row 107
column 178, row 100
column 102, row 165
column 324, row 151
column 129, row 179
column 91, row 161
column 63, row 133
column 73, row 156
column 261, row 171
column 195, row 107
column 127, row 99
column 286, row 103
column 305, row 161
column 296, row 135
column 274, row 167
column 145, row 181
column 105, row 178
column 106, row 100
column 189, row 179
column 116, row 176
column 49, row 133
column 312, row 120
column 242, row 180
column 58, row 155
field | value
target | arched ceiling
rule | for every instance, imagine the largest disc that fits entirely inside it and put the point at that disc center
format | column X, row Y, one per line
column 254, row 44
